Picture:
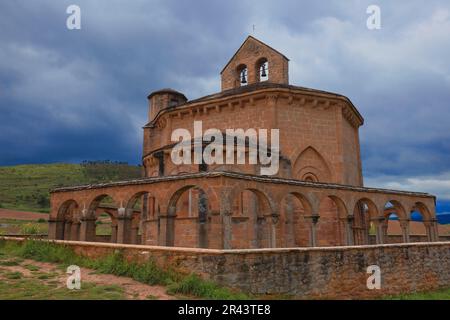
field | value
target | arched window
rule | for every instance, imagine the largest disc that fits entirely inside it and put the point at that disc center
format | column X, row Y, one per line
column 263, row 69
column 243, row 75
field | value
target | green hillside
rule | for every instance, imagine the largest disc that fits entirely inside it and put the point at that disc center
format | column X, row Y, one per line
column 26, row 187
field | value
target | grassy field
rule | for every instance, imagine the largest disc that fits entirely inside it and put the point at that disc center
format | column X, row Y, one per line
column 177, row 284
column 26, row 187
column 32, row 283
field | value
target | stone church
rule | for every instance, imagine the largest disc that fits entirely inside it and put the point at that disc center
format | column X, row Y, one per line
column 317, row 197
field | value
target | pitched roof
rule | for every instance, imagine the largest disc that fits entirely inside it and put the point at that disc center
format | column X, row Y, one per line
column 246, row 40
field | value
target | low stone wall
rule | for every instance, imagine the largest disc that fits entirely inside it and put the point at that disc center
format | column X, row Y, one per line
column 331, row 272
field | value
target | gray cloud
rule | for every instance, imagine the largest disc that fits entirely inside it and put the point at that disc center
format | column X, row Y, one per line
column 74, row 95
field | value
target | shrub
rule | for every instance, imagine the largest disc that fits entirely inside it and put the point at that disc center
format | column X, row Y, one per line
column 29, row 228
column 196, row 286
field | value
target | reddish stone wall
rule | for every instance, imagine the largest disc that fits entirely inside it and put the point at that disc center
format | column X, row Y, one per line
column 338, row 272
column 330, row 142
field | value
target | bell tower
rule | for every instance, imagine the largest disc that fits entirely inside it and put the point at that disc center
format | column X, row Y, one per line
column 255, row 62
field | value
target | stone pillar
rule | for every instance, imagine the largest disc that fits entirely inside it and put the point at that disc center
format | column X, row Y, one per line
column 432, row 232
column 166, row 235
column 124, row 225
column 75, row 231
column 435, row 229
column 349, row 229
column 227, row 229
column 404, row 224
column 87, row 228
column 134, row 235
column 162, row 238
column 272, row 222
column 312, row 230
column 113, row 232
column 67, row 229
column 379, row 229
column 55, row 229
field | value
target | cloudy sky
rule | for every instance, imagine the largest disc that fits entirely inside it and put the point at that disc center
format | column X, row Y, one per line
column 70, row 95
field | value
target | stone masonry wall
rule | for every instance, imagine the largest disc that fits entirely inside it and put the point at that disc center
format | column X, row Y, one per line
column 333, row 272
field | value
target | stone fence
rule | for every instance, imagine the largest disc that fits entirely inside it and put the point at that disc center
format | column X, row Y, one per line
column 324, row 272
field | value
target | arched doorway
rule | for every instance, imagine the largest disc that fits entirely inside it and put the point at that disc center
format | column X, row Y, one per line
column 187, row 222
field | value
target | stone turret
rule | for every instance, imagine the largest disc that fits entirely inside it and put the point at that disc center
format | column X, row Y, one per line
column 162, row 99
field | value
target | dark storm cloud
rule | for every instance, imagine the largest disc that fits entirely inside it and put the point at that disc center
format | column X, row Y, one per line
column 75, row 95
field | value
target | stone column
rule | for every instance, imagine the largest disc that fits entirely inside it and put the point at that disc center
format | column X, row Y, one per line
column 67, row 229
column 435, row 229
column 114, row 232
column 162, row 236
column 349, row 229
column 379, row 229
column 134, row 234
column 273, row 220
column 312, row 230
column 124, row 225
column 55, row 229
column 404, row 224
column 75, row 231
column 87, row 228
column 167, row 228
column 432, row 232
column 227, row 230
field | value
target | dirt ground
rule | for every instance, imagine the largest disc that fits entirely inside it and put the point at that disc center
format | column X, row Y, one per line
column 132, row 288
column 22, row 215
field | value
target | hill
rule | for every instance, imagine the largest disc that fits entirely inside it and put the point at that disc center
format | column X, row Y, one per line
column 26, row 187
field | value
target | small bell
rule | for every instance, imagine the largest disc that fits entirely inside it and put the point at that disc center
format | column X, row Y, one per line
column 263, row 70
column 243, row 77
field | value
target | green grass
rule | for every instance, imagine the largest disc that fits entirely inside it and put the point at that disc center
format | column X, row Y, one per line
column 13, row 226
column 26, row 187
column 147, row 272
column 31, row 267
column 33, row 289
column 13, row 275
column 194, row 285
column 443, row 294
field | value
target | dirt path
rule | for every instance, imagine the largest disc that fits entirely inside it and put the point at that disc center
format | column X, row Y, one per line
column 22, row 215
column 132, row 289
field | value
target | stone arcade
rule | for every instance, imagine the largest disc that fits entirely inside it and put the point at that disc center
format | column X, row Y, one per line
column 316, row 199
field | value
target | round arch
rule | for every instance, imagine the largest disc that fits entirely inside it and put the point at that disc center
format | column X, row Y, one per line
column 67, row 225
column 188, row 216
column 144, row 209
column 293, row 227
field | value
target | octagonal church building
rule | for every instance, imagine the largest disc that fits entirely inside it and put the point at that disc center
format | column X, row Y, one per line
column 316, row 197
